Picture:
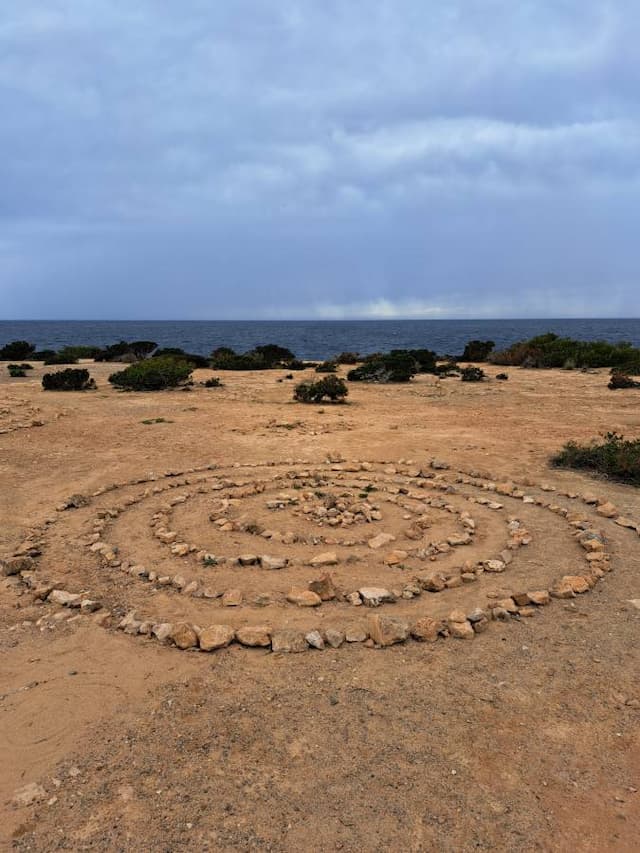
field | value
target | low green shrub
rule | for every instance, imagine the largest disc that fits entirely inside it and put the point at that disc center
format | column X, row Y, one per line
column 60, row 358
column 264, row 357
column 16, row 351
column 396, row 366
column 472, row 374
column 42, row 354
column 477, row 350
column 347, row 358
column 214, row 382
column 330, row 387
column 127, row 351
column 152, row 374
column 502, row 376
column 613, row 457
column 71, row 379
column 17, row 370
column 447, row 368
column 191, row 358
column 552, row 351
column 326, row 367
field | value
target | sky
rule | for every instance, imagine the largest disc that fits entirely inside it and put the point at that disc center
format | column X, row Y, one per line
column 276, row 159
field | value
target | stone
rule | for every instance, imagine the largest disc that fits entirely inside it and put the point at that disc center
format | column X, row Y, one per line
column 562, row 589
column 184, row 636
column 477, row 615
column 539, row 597
column 381, row 539
column 461, row 629
column 495, row 566
column 426, row 629
column 15, row 565
column 28, row 795
column 607, row 510
column 354, row 599
column 521, row 599
column 356, row 634
column 324, row 587
column 216, row 637
column 232, row 598
column 433, row 582
column 622, row 521
column 457, row 616
column 387, row 630
column 507, row 604
column 315, row 640
column 64, row 598
column 334, row 637
column 247, row 559
column 590, row 498
column 439, row 465
column 527, row 611
column 480, row 625
column 87, row 605
column 274, row 563
column 254, row 635
column 288, row 640
column 373, row 596
column 395, row 558
column 303, row 598
column 327, row 558
column 579, row 584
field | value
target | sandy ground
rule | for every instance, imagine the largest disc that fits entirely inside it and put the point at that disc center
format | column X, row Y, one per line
column 525, row 738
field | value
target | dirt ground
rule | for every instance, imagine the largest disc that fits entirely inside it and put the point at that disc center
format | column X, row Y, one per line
column 526, row 738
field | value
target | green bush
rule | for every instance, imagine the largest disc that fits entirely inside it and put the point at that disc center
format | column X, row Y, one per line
column 214, row 382
column 347, row 358
column 264, row 357
column 326, row 367
column 193, row 359
column 472, row 374
column 552, row 351
column 330, row 387
column 16, row 351
column 71, row 379
column 396, row 366
column 612, row 457
column 61, row 357
column 152, row 374
column 448, row 368
column 127, row 351
column 502, row 376
column 17, row 370
column 477, row 350
column 42, row 355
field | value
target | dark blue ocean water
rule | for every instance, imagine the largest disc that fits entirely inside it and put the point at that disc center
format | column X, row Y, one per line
column 311, row 339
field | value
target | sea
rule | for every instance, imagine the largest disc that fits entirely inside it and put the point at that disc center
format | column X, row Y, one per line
column 310, row 339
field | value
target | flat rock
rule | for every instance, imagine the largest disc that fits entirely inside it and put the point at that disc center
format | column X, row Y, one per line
column 232, row 598
column 288, row 640
column 373, row 596
column 254, row 635
column 395, row 558
column 334, row 637
column 184, row 636
column 356, row 634
column 539, row 597
column 303, row 598
column 28, row 795
column 426, row 629
column 162, row 631
column 268, row 562
column 381, row 539
column 387, row 630
column 64, row 598
column 461, row 630
column 327, row 558
column 216, row 637
column 607, row 510
column 431, row 582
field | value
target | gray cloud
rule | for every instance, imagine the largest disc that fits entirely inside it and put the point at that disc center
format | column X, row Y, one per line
column 289, row 158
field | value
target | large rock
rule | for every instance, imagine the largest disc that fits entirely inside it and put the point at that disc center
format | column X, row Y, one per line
column 431, row 582
column 315, row 640
column 387, row 630
column 539, row 597
column 15, row 565
column 373, row 596
column 324, row 587
column 268, row 562
column 303, row 598
column 216, row 637
column 64, row 598
column 381, row 539
column 327, row 558
column 288, row 640
column 254, row 635
column 184, row 636
column 426, row 629
column 607, row 510
column 232, row 598
column 162, row 631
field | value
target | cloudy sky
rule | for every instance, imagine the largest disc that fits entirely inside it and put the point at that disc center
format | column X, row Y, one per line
column 235, row 159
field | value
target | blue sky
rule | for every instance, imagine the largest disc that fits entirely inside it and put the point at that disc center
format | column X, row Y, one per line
column 350, row 158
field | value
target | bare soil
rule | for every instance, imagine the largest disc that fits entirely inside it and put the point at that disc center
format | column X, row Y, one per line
column 525, row 739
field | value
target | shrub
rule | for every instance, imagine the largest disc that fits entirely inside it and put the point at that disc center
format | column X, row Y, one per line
column 264, row 357
column 396, row 366
column 127, row 351
column 16, row 350
column 502, row 376
column 71, row 379
column 42, row 355
column 326, row 367
column 16, row 370
column 477, row 350
column 613, row 457
column 472, row 374
column 621, row 380
column 193, row 359
column 60, row 358
column 73, row 353
column 347, row 358
column 214, row 382
column 448, row 368
column 331, row 387
column 152, row 374
column 552, row 351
